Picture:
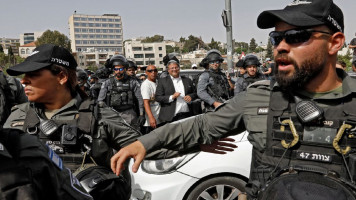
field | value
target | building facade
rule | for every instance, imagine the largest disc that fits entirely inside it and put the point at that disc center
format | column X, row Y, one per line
column 10, row 42
column 26, row 38
column 26, row 49
column 102, row 33
column 90, row 57
column 146, row 53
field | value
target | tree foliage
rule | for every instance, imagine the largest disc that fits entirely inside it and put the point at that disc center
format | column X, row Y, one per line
column 241, row 47
column 193, row 43
column 253, row 45
column 54, row 37
column 1, row 49
column 155, row 38
column 269, row 53
column 347, row 58
column 170, row 49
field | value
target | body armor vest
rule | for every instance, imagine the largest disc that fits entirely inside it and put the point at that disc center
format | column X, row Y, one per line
column 315, row 149
column 249, row 80
column 220, row 89
column 121, row 96
column 69, row 138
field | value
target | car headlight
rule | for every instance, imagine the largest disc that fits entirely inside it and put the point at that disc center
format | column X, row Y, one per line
column 165, row 165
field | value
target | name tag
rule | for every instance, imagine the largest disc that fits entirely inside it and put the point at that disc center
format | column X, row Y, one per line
column 303, row 155
column 262, row 110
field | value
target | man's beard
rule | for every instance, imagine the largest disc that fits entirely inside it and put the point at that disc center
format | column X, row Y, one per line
column 307, row 71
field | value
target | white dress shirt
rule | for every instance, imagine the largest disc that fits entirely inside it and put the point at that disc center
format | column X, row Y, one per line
column 181, row 105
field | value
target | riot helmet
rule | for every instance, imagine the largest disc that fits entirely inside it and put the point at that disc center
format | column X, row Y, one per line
column 204, row 63
column 132, row 63
column 103, row 73
column 214, row 55
column 170, row 58
column 82, row 77
column 251, row 60
column 116, row 60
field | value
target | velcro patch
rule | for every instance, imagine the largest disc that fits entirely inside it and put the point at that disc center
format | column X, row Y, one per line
column 262, row 110
column 55, row 158
column 18, row 124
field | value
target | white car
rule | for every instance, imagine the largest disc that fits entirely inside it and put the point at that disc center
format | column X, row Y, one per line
column 195, row 176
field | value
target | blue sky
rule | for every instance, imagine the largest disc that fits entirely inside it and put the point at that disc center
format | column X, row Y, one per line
column 170, row 18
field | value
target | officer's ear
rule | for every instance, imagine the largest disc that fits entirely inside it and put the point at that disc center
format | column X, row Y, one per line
column 336, row 42
column 62, row 77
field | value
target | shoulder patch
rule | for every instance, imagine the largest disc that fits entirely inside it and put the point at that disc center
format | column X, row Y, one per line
column 55, row 158
column 18, row 124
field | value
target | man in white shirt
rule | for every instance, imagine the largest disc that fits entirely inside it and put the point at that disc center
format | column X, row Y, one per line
column 175, row 94
column 148, row 91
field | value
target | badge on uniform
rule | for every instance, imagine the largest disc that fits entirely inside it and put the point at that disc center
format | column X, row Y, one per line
column 55, row 158
column 262, row 110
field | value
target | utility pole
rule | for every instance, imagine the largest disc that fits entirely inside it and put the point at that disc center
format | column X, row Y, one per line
column 227, row 20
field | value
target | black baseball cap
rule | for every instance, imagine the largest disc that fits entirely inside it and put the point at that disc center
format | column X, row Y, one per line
column 305, row 13
column 44, row 56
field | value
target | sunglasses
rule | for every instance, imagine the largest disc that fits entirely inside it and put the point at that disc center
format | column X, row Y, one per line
column 293, row 36
column 119, row 69
column 214, row 62
column 152, row 70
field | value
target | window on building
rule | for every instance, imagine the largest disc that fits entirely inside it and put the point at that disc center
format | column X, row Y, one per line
column 112, row 42
column 90, row 19
column 84, row 36
column 111, row 25
column 110, row 30
column 160, row 48
column 97, row 25
column 138, row 55
column 76, row 18
column 77, row 30
column 78, row 42
column 104, row 25
column 91, row 24
column 110, row 20
column 148, row 48
column 97, row 30
column 97, row 36
column 117, row 20
column 83, row 24
column 139, row 62
column 84, row 30
column 160, row 55
column 76, row 24
column 77, row 35
column 103, row 19
column 149, row 55
column 150, row 62
column 98, row 42
column 117, row 25
column 160, row 62
column 23, row 51
column 104, row 30
column 136, row 48
column 85, row 41
column 83, row 19
column 91, row 36
column 92, row 42
column 97, row 19
column 91, row 30
column 117, row 31
column 105, row 36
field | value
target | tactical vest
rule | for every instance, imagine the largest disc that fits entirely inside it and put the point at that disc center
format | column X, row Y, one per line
column 316, row 147
column 71, row 138
column 5, row 99
column 120, row 95
column 249, row 80
column 95, row 90
column 220, row 89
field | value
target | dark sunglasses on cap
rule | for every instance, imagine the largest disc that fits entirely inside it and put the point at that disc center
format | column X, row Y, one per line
column 152, row 70
column 120, row 69
column 293, row 36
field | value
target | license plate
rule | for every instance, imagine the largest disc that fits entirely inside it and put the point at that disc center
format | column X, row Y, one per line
column 314, row 156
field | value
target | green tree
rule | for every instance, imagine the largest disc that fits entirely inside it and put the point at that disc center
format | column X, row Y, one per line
column 170, row 49
column 241, row 47
column 155, row 38
column 54, row 37
column 347, row 58
column 182, row 39
column 213, row 44
column 1, row 49
column 193, row 43
column 269, row 53
column 253, row 45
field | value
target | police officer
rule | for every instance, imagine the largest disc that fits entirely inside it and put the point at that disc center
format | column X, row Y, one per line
column 102, row 74
column 213, row 86
column 131, row 70
column 301, row 126
column 82, row 78
column 250, row 64
column 121, row 91
column 31, row 170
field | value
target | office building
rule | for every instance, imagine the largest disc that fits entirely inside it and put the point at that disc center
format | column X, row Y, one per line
column 102, row 33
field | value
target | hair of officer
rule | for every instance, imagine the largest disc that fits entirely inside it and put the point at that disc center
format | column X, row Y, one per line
column 71, row 83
